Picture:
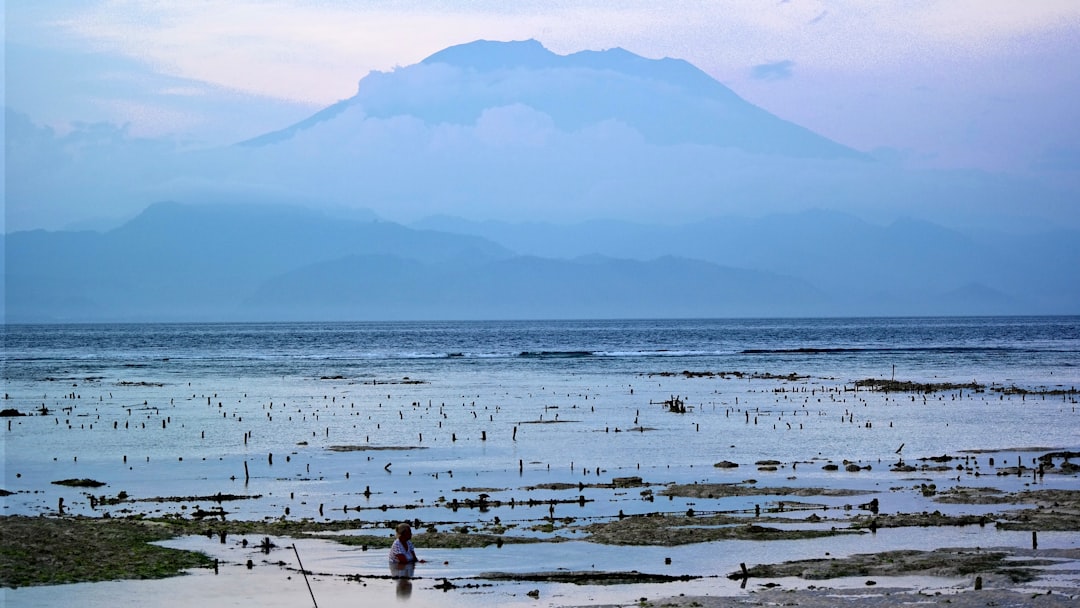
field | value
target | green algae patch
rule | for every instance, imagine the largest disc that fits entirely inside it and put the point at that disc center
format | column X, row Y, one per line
column 54, row 551
column 586, row 577
column 1055, row 509
column 672, row 530
column 919, row 520
column 433, row 540
column 723, row 490
column 906, row 386
column 940, row 562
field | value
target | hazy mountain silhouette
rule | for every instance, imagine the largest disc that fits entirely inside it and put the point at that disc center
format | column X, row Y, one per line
column 234, row 262
column 905, row 267
column 193, row 262
column 243, row 262
column 684, row 105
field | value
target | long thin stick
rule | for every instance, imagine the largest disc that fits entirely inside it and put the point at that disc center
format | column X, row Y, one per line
column 304, row 572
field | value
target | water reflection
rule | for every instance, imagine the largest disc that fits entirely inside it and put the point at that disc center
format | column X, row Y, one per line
column 403, row 573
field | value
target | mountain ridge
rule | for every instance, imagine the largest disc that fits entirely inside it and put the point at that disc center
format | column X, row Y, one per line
column 710, row 114
column 490, row 55
column 234, row 262
column 181, row 262
column 907, row 260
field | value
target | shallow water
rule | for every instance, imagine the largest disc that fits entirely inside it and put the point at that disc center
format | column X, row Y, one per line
column 276, row 581
column 503, row 450
column 176, row 412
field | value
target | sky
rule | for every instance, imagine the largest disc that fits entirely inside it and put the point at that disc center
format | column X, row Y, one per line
column 991, row 85
column 952, row 81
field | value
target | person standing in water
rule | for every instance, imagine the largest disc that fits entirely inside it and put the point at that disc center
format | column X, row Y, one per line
column 402, row 552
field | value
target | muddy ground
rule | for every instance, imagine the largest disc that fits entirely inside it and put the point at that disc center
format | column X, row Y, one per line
column 873, row 598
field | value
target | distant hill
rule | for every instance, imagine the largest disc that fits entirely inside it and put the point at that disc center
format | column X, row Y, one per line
column 196, row 262
column 905, row 267
column 240, row 262
column 232, row 262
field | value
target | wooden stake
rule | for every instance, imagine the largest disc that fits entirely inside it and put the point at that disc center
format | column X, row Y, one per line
column 304, row 572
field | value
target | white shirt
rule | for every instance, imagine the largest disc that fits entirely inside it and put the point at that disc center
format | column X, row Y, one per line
column 406, row 549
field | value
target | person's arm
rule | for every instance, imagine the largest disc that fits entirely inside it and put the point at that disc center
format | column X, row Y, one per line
column 415, row 558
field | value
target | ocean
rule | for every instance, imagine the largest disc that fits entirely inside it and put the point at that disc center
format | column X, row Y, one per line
column 556, row 424
column 412, row 412
column 1028, row 350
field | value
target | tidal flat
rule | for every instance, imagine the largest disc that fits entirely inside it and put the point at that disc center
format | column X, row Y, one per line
column 666, row 491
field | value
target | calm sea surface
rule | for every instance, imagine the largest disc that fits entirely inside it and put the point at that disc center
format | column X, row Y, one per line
column 1025, row 350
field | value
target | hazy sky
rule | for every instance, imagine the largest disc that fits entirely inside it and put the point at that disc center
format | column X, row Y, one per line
column 992, row 84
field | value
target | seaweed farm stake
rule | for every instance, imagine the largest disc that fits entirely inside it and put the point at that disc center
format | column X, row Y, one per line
column 304, row 572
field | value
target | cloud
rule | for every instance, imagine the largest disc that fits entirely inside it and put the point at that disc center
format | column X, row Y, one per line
column 314, row 51
column 60, row 87
column 514, row 125
column 779, row 70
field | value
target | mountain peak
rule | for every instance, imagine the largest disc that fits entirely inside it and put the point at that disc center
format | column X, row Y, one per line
column 491, row 55
column 488, row 55
column 667, row 101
